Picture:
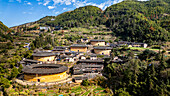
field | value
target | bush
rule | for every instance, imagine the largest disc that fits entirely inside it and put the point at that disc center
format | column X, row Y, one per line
column 85, row 82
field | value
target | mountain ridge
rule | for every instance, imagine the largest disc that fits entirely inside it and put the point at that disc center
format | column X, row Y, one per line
column 134, row 13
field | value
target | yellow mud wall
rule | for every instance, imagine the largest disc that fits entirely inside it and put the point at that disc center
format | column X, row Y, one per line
column 105, row 52
column 50, row 58
column 81, row 49
column 46, row 78
column 98, row 43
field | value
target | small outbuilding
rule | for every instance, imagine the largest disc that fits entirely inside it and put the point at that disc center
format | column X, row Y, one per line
column 98, row 42
column 102, row 50
column 78, row 48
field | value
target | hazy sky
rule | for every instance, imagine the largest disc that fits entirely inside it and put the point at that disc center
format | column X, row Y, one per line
column 16, row 12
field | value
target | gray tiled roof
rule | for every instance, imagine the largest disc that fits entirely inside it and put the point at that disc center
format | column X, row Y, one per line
column 43, row 54
column 94, row 40
column 78, row 45
column 44, row 69
column 90, row 61
column 103, row 48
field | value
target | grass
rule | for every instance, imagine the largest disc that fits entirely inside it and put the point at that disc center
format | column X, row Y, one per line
column 41, row 94
column 141, row 48
column 50, row 91
column 86, row 93
column 77, row 89
column 12, row 90
column 99, row 88
column 102, row 92
column 82, row 29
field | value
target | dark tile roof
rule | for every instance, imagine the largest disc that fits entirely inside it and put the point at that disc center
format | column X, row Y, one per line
column 94, row 40
column 78, row 72
column 44, row 69
column 86, row 66
column 85, row 38
column 103, row 48
column 114, row 45
column 93, row 55
column 135, row 43
column 91, row 61
column 30, row 60
column 58, row 49
column 61, row 47
column 80, row 78
column 123, row 42
column 130, row 43
column 78, row 45
column 44, row 54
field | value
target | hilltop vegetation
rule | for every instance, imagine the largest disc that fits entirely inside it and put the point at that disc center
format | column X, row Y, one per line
column 139, row 21
column 3, row 28
column 129, row 20
column 83, row 16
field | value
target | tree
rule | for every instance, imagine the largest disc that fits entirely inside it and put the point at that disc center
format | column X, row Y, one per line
column 4, row 83
column 122, row 92
column 85, row 82
column 131, row 55
column 147, row 54
column 14, row 73
column 20, row 68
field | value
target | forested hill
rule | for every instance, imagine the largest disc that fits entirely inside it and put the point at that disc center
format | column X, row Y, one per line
column 131, row 20
column 140, row 21
column 3, row 28
column 88, row 15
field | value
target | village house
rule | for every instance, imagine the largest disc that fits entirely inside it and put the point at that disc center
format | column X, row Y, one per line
column 88, row 61
column 60, row 49
column 84, row 40
column 58, row 28
column 83, row 57
column 67, row 58
column 93, row 57
column 98, row 42
column 25, row 61
column 144, row 45
column 113, row 45
column 70, row 59
column 79, row 79
column 26, row 45
column 87, row 71
column 44, row 28
column 102, row 50
column 132, row 44
column 44, row 56
column 78, row 48
column 52, row 19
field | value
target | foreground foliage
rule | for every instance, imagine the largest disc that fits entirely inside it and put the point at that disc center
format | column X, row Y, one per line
column 140, row 78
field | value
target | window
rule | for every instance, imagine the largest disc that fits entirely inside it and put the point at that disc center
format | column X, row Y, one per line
column 38, row 80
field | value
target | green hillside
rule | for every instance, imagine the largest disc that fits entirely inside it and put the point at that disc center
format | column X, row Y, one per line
column 139, row 21
column 83, row 16
column 130, row 20
column 3, row 28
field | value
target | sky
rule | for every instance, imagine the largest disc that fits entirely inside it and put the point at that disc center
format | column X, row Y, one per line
column 16, row 12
